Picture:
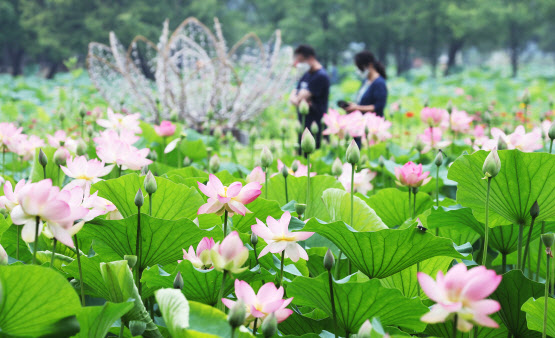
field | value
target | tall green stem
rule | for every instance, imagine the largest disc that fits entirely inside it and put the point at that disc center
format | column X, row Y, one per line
column 286, row 193
column 138, row 252
column 486, row 228
column 417, row 271
column 150, row 204
column 414, row 203
column 53, row 253
column 36, row 243
column 307, row 182
column 410, row 193
column 266, row 183
column 527, row 247
column 81, row 282
column 546, row 295
column 437, row 186
column 281, row 268
column 255, row 327
column 336, row 272
column 352, row 192
column 551, row 147
column 179, row 162
column 18, row 236
column 540, row 245
column 225, row 223
column 519, row 247
column 332, row 300
column 455, row 323
column 221, row 293
column 3, row 160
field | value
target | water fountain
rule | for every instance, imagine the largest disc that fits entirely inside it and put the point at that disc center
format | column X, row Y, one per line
column 192, row 73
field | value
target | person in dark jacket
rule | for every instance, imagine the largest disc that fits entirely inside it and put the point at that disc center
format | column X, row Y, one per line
column 372, row 96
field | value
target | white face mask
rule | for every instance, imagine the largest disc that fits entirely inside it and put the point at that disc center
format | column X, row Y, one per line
column 303, row 67
column 363, row 74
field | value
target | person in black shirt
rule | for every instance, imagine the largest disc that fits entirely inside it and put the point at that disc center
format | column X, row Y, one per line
column 313, row 87
column 372, row 96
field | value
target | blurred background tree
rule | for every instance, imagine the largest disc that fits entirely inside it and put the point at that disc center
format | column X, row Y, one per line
column 400, row 32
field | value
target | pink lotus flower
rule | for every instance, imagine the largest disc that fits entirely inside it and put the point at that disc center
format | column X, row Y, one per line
column 85, row 172
column 61, row 139
column 165, row 129
column 97, row 206
column 279, row 238
column 201, row 258
column 546, row 124
column 434, row 116
column 432, row 138
column 362, row 179
column 111, row 148
column 230, row 255
column 232, row 198
column 411, row 175
column 302, row 170
column 268, row 300
column 3, row 256
column 9, row 133
column 378, row 128
column 257, row 175
column 462, row 292
column 119, row 122
column 460, row 121
column 519, row 139
column 341, row 125
column 26, row 146
column 45, row 201
column 10, row 198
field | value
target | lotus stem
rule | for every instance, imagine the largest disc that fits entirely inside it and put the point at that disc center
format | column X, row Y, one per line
column 266, row 183
column 486, row 228
column 414, row 191
column 281, row 268
column 138, row 252
column 44, row 172
column 504, row 262
column 437, row 186
column 332, row 301
column 255, row 327
column 539, row 254
column 286, row 193
column 526, row 248
column 150, row 204
column 36, row 243
column 225, row 223
column 17, row 247
column 121, row 329
column 3, row 160
column 551, row 147
column 81, row 283
column 307, row 183
column 410, row 193
column 53, row 253
column 221, row 293
column 119, row 171
column 546, row 296
column 337, row 264
column 519, row 248
column 352, row 191
column 417, row 271
column 455, row 322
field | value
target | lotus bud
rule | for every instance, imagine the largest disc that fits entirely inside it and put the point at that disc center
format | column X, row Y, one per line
column 137, row 327
column 314, row 128
column 419, row 145
column 381, row 161
column 551, row 132
column 174, row 117
column 284, row 126
column 337, row 167
column 535, row 210
column 365, row 330
column 144, row 170
column 329, row 260
column 269, row 326
column 217, row 132
column 43, row 160
column 237, row 314
column 364, row 158
column 308, row 144
column 152, row 155
column 300, row 208
column 62, row 115
column 253, row 134
column 60, row 156
column 273, row 147
column 82, row 111
column 449, row 107
column 298, row 126
column 548, row 240
column 304, row 107
column 150, row 183
column 3, row 256
column 285, row 171
column 131, row 260
column 139, row 199
column 295, row 166
column 209, row 151
column 75, row 284
column 501, row 144
column 90, row 131
column 492, row 164
column 439, row 158
column 81, row 148
column 427, row 102
column 214, row 163
column 254, row 239
column 178, row 281
column 526, row 97
column 187, row 161
column 353, row 153
column 266, row 157
column 366, row 130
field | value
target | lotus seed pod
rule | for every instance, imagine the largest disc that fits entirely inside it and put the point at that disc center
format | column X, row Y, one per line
column 131, row 260
column 300, row 208
column 337, row 167
column 150, row 183
column 43, row 160
column 492, row 164
column 353, row 153
column 60, row 156
column 178, row 281
column 139, row 199
column 137, row 327
column 439, row 158
column 308, row 144
column 548, row 240
column 266, row 157
column 269, row 326
column 329, row 260
column 304, row 107
column 237, row 314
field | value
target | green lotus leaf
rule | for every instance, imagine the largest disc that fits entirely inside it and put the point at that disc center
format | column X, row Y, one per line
column 338, row 203
column 96, row 321
column 392, row 205
column 534, row 309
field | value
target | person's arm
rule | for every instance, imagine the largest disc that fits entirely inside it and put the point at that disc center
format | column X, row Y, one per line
column 296, row 98
column 380, row 94
column 362, row 108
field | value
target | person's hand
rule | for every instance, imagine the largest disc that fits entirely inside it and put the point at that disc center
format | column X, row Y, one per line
column 293, row 98
column 351, row 107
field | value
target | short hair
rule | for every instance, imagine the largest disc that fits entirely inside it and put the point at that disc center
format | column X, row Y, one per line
column 305, row 50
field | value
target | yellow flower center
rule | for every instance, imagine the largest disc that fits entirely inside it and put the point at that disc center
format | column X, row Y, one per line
column 84, row 177
column 285, row 238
